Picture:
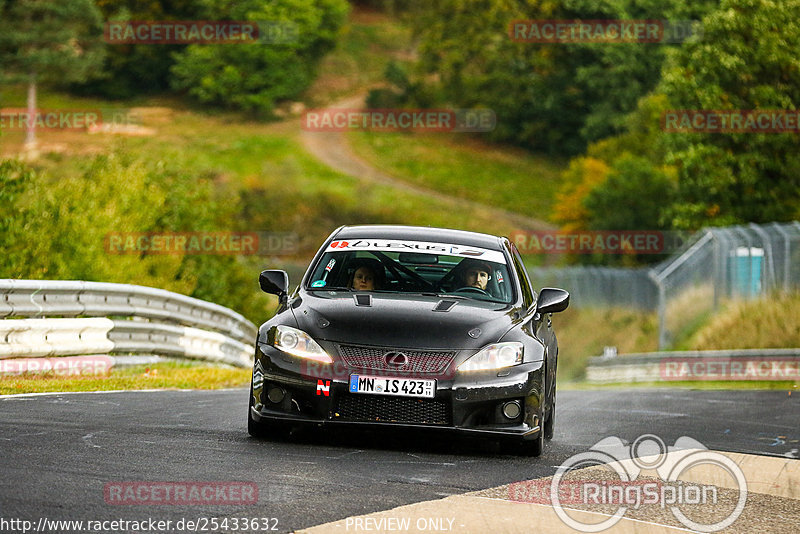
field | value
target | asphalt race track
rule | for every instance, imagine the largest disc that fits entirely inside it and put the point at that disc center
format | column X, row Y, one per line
column 59, row 451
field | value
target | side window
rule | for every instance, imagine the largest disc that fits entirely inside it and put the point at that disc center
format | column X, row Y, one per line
column 524, row 281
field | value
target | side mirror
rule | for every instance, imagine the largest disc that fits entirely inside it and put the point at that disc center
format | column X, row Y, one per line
column 274, row 283
column 552, row 300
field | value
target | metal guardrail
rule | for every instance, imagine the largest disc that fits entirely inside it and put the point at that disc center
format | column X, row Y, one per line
column 181, row 341
column 674, row 366
column 56, row 298
column 125, row 319
column 35, row 338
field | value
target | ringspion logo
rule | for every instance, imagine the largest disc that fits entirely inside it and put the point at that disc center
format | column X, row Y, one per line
column 623, row 488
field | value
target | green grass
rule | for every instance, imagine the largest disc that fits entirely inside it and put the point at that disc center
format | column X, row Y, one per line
column 465, row 167
column 164, row 375
column 262, row 161
column 368, row 42
column 266, row 161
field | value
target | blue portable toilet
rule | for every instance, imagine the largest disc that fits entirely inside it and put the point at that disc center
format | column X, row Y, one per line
column 744, row 271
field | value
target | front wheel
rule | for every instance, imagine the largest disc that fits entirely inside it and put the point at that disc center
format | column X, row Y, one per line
column 550, row 424
column 260, row 429
column 533, row 447
column 254, row 428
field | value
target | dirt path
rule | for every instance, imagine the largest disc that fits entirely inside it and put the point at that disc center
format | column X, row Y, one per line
column 333, row 149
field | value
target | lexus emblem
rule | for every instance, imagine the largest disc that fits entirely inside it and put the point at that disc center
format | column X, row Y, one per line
column 396, row 359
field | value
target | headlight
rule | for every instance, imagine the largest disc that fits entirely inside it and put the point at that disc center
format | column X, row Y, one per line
column 298, row 343
column 495, row 356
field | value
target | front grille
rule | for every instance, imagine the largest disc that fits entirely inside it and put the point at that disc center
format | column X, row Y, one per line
column 419, row 361
column 392, row 410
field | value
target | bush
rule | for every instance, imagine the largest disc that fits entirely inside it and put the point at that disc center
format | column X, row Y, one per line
column 57, row 229
column 254, row 76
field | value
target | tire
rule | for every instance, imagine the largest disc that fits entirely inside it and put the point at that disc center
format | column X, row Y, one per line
column 533, row 447
column 261, row 429
column 550, row 424
column 254, row 428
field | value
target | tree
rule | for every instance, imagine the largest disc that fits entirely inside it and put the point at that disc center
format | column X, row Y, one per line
column 253, row 76
column 58, row 227
column 583, row 175
column 631, row 198
column 621, row 171
column 134, row 69
column 550, row 97
column 48, row 41
column 747, row 60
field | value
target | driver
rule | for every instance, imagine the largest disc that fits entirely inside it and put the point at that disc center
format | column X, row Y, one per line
column 475, row 273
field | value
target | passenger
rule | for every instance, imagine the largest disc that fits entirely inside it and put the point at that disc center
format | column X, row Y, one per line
column 367, row 275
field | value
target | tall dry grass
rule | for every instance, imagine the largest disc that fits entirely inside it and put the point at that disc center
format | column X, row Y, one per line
column 583, row 333
column 773, row 322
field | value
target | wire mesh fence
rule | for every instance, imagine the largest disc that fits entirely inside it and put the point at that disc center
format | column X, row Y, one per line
column 602, row 286
column 716, row 264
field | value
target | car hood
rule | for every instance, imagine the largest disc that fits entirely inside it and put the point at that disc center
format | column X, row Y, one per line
column 404, row 321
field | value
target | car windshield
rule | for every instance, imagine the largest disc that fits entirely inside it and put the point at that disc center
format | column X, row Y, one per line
column 413, row 267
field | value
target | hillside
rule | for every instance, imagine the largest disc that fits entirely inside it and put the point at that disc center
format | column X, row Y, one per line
column 222, row 171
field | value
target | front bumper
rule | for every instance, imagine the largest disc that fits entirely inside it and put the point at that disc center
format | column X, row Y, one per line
column 289, row 390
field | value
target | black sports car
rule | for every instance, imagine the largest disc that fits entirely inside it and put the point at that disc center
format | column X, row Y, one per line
column 410, row 327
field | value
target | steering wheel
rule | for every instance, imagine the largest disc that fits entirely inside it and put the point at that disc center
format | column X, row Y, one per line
column 472, row 289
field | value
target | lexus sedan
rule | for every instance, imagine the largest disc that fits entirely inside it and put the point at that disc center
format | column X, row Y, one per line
column 411, row 327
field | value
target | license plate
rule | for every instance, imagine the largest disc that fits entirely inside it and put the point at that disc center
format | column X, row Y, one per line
column 400, row 387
